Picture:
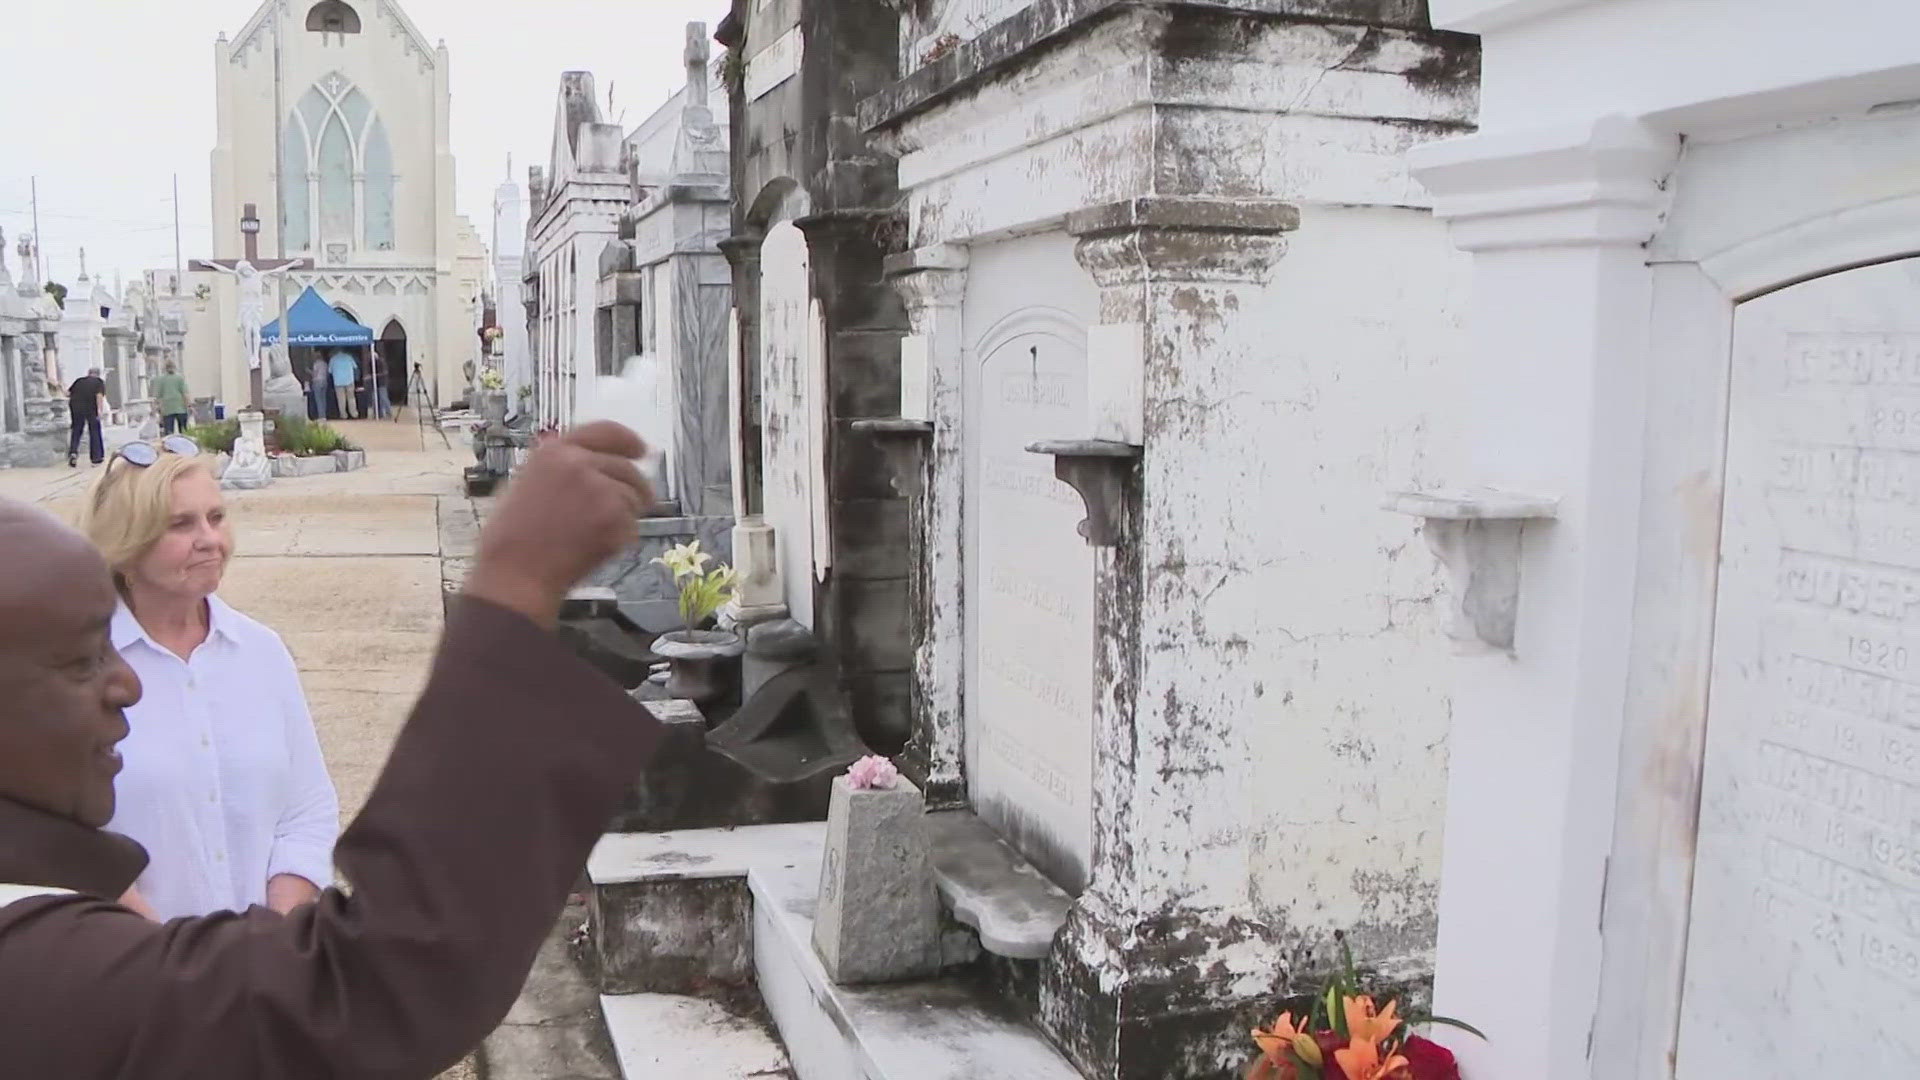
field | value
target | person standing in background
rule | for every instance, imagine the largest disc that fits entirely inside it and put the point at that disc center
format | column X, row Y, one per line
column 170, row 390
column 86, row 402
column 382, row 396
column 345, row 374
column 317, row 396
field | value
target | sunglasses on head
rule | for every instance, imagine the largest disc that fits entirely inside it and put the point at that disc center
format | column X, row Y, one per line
column 143, row 454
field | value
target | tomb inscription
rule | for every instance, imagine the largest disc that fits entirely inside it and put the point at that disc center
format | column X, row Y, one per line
column 1029, row 695
column 1807, row 867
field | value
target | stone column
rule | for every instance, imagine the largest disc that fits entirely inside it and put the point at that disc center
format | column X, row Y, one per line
column 743, row 256
column 933, row 283
column 1161, row 967
column 761, row 595
column 1557, row 221
column 862, row 614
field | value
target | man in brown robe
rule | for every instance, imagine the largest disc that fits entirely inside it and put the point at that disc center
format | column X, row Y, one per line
column 514, row 759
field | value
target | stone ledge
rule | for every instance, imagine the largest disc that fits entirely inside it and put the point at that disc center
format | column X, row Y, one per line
column 668, row 1035
column 624, row 858
column 1190, row 212
column 1044, row 21
column 1015, row 909
column 950, row 1028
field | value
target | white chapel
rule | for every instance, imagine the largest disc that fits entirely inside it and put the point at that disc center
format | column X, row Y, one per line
column 365, row 188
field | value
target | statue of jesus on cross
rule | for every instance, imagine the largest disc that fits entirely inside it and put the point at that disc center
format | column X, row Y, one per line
column 251, row 274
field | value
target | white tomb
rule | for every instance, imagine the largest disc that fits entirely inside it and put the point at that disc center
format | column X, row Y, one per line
column 1681, row 814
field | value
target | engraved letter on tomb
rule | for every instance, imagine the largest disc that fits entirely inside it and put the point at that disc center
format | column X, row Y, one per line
column 1806, row 902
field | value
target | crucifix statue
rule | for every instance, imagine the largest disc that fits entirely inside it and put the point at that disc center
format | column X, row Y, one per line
column 251, row 274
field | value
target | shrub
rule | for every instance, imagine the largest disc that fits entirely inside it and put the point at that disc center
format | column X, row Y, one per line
column 306, row 438
column 217, row 437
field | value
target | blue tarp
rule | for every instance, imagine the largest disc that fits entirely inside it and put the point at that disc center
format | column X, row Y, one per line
column 315, row 322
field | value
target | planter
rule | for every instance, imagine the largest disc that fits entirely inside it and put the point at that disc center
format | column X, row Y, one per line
column 494, row 407
column 697, row 662
column 349, row 460
column 286, row 465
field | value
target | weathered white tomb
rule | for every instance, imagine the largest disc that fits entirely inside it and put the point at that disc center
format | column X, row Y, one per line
column 1683, row 808
column 622, row 259
column 1064, row 419
column 33, row 412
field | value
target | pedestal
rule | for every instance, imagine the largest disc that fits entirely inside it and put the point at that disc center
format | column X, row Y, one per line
column 250, row 467
column 758, row 597
column 878, row 918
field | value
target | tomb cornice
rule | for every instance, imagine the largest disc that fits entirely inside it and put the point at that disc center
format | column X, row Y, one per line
column 1181, row 238
column 1597, row 184
column 742, row 252
column 928, row 277
column 1045, row 24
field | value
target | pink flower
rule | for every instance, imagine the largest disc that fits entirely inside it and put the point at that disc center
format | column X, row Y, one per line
column 872, row 773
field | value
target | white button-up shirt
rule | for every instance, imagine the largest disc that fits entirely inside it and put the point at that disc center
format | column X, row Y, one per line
column 224, row 783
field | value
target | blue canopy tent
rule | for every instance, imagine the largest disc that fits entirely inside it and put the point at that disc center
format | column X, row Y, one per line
column 314, row 322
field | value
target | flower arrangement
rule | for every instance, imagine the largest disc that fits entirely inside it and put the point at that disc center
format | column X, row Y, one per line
column 492, row 381
column 492, row 333
column 1345, row 1035
column 872, row 773
column 702, row 592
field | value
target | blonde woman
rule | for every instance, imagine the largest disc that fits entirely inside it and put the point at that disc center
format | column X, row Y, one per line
column 224, row 783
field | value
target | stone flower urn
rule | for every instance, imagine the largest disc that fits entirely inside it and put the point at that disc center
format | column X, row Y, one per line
column 493, row 406
column 696, row 662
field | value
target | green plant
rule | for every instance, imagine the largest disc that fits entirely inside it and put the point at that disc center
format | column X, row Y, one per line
column 306, row 438
column 216, row 437
column 59, row 294
column 702, row 592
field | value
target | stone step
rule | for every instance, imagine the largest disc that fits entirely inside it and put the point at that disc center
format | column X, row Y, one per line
column 670, row 1035
column 1014, row 908
column 666, row 914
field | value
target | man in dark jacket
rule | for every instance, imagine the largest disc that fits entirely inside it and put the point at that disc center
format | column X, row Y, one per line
column 86, row 400
column 515, row 757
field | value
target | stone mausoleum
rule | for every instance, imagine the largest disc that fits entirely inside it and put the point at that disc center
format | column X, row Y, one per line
column 33, row 406
column 1079, row 345
column 622, row 260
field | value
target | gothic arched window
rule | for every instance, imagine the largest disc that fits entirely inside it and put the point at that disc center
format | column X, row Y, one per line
column 333, row 17
column 338, row 166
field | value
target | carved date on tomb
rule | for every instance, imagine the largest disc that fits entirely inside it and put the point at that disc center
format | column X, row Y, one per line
column 1806, row 894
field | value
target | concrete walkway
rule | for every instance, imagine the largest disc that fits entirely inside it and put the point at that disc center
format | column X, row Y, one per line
column 349, row 569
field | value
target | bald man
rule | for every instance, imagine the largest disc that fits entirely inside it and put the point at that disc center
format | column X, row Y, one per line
column 514, row 758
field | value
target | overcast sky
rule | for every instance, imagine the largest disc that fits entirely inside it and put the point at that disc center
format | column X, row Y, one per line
column 105, row 100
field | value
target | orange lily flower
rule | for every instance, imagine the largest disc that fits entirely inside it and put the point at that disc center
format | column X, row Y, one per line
column 1361, row 1061
column 1275, row 1040
column 1364, row 1024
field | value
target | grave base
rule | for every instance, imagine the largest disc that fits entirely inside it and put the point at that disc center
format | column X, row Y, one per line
column 1156, row 1000
column 707, row 885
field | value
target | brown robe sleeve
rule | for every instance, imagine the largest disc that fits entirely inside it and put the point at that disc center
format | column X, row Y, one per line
column 514, row 759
